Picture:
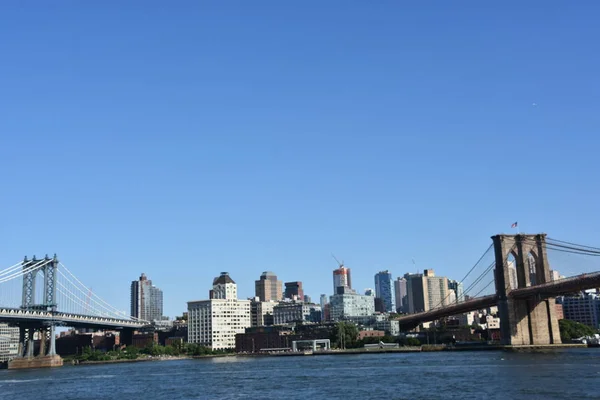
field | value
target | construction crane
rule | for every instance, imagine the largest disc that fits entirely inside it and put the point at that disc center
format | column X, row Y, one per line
column 341, row 264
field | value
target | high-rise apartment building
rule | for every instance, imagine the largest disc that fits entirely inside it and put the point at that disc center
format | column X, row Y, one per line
column 215, row 322
column 384, row 290
column 437, row 290
column 9, row 342
column 268, row 288
column 401, row 295
column 426, row 291
column 293, row 291
column 146, row 300
column 341, row 279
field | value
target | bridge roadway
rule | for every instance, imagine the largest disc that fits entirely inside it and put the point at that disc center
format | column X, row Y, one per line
column 542, row 291
column 18, row 316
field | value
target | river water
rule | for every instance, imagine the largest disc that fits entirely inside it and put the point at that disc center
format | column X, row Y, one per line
column 557, row 374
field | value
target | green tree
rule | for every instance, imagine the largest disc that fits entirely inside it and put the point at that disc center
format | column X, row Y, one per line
column 573, row 330
column 345, row 335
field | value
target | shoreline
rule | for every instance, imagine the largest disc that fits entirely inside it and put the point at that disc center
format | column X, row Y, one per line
column 415, row 349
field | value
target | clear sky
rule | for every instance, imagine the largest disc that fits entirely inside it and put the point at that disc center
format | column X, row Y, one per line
column 188, row 138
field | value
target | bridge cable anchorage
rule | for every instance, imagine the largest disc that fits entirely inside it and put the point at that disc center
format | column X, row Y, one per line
column 441, row 304
column 12, row 268
column 94, row 296
column 27, row 270
column 572, row 244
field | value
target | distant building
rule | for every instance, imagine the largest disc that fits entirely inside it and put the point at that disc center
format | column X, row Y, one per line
column 379, row 305
column 285, row 313
column 384, row 290
column 512, row 274
column 341, row 279
column 262, row 312
column 401, row 295
column 426, row 291
column 555, row 275
column 146, row 300
column 350, row 304
column 9, row 342
column 307, row 299
column 323, row 300
column 293, row 291
column 268, row 288
column 584, row 308
column 416, row 288
column 215, row 322
column 369, row 292
column 458, row 289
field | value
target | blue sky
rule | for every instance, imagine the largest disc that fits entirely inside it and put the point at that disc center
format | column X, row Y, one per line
column 238, row 136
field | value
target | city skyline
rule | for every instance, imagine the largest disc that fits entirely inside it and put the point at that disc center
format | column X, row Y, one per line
column 186, row 143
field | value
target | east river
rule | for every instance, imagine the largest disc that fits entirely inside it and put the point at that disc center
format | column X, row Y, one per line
column 557, row 374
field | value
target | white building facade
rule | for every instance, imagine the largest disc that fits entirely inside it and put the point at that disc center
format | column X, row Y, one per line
column 9, row 342
column 215, row 322
column 347, row 305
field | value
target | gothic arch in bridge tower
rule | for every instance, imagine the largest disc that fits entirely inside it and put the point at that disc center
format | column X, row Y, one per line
column 531, row 320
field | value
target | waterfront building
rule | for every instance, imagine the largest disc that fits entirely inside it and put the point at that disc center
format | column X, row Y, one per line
column 289, row 312
column 215, row 322
column 384, row 290
column 293, row 291
column 401, row 296
column 350, row 304
column 584, row 308
column 268, row 288
column 146, row 300
column 341, row 279
column 391, row 328
column 262, row 312
column 9, row 342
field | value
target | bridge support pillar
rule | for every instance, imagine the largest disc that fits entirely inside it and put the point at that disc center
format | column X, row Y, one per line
column 524, row 321
column 52, row 350
column 30, row 344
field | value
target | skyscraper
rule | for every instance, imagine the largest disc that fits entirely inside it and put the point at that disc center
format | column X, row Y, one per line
column 341, row 279
column 384, row 290
column 268, row 288
column 401, row 295
column 293, row 290
column 146, row 300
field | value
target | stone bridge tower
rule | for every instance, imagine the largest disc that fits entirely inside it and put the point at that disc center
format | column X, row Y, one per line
column 528, row 321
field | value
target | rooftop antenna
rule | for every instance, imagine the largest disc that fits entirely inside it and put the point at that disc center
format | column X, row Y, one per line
column 415, row 266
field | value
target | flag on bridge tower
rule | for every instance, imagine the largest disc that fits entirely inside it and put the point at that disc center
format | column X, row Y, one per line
column 514, row 225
